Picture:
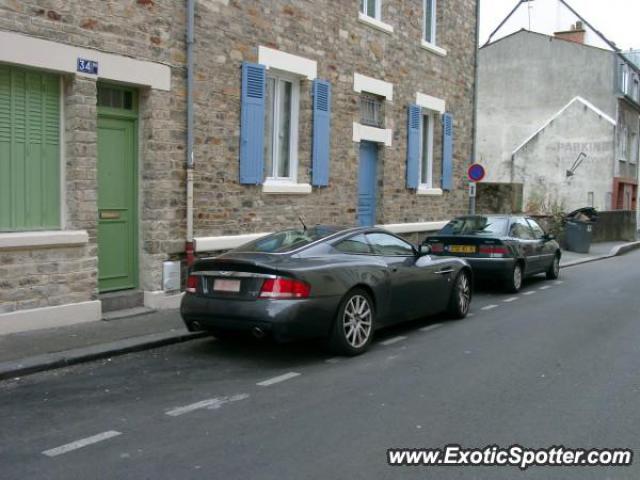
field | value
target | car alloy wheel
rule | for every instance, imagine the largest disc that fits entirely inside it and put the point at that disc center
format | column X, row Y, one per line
column 460, row 299
column 517, row 277
column 513, row 283
column 463, row 289
column 357, row 321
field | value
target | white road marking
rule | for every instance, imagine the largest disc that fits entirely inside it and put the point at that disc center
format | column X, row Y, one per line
column 509, row 300
column 489, row 307
column 393, row 340
column 546, row 287
column 333, row 360
column 434, row 326
column 211, row 403
column 530, row 292
column 278, row 379
column 558, row 282
column 54, row 452
column 470, row 315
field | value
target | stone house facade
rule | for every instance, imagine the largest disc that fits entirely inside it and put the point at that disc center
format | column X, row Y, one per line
column 107, row 81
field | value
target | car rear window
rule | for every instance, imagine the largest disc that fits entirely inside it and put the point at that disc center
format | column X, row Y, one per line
column 287, row 240
column 475, row 226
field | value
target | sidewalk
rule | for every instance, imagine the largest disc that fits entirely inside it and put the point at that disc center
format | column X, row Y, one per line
column 38, row 350
column 598, row 251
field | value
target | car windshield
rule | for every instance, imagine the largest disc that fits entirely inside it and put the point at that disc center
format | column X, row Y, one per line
column 475, row 226
column 287, row 240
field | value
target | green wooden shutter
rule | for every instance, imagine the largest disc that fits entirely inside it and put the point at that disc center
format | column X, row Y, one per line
column 29, row 150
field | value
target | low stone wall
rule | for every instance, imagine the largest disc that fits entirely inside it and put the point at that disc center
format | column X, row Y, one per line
column 48, row 277
column 498, row 198
column 615, row 225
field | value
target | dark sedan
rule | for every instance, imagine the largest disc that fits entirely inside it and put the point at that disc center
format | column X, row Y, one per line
column 338, row 283
column 508, row 247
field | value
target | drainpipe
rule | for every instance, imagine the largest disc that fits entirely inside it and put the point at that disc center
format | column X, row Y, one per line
column 190, row 160
column 474, row 126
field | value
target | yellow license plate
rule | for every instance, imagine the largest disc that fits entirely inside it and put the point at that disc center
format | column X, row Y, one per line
column 462, row 249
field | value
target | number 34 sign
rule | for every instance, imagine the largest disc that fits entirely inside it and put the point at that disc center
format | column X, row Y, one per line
column 87, row 66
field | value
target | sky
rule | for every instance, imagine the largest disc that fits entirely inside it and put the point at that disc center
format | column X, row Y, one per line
column 617, row 19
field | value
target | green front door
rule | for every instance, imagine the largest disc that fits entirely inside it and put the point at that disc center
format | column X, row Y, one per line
column 117, row 202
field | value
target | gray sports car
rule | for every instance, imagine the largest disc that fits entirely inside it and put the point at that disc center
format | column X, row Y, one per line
column 338, row 283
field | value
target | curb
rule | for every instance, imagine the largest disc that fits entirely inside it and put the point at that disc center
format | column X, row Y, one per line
column 615, row 251
column 50, row 361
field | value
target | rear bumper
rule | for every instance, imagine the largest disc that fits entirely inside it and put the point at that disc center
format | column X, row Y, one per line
column 487, row 267
column 282, row 319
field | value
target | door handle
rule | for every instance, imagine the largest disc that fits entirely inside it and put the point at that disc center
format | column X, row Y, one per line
column 394, row 269
column 444, row 272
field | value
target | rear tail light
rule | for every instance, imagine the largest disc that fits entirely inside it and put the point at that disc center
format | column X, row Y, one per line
column 437, row 248
column 192, row 284
column 494, row 251
column 280, row 287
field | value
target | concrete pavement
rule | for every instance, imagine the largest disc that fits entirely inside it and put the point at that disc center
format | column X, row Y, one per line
column 553, row 365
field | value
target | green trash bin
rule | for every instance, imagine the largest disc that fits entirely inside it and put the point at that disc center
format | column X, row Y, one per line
column 578, row 235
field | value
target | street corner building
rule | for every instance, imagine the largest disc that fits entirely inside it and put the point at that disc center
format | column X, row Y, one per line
column 559, row 115
column 130, row 129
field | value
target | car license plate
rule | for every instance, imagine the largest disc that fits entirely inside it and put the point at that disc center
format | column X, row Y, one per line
column 462, row 249
column 223, row 285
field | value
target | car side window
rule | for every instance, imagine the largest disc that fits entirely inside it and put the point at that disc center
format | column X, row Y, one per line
column 520, row 229
column 538, row 232
column 389, row 246
column 356, row 245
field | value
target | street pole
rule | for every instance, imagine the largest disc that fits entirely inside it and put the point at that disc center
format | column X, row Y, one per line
column 474, row 127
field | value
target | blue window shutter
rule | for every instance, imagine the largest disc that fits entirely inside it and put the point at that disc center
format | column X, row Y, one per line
column 413, row 146
column 447, row 151
column 321, row 133
column 252, row 124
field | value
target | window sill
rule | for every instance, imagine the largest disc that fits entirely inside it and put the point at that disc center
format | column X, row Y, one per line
column 377, row 24
column 423, row 190
column 43, row 239
column 286, row 187
column 433, row 48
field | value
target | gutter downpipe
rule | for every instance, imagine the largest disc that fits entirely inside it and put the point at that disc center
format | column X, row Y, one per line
column 189, row 247
column 474, row 126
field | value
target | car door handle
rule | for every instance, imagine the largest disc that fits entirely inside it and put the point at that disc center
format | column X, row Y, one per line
column 394, row 269
column 444, row 272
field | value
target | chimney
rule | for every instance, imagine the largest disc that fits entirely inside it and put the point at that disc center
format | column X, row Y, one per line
column 575, row 34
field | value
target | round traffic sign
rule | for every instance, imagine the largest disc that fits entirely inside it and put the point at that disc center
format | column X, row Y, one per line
column 476, row 172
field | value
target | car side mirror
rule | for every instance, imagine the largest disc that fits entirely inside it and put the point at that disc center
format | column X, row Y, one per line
column 424, row 249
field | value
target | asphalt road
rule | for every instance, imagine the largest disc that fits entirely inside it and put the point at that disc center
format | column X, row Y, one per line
column 558, row 364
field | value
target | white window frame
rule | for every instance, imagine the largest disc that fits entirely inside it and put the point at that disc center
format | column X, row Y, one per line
column 432, row 119
column 270, row 178
column 431, row 44
column 427, row 188
column 378, row 9
column 624, row 139
column 624, row 78
column 426, row 4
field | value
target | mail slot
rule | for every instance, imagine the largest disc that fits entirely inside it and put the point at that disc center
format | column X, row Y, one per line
column 109, row 215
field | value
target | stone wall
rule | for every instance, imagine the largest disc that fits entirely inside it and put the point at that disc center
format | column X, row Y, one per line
column 231, row 32
column 498, row 198
column 615, row 225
